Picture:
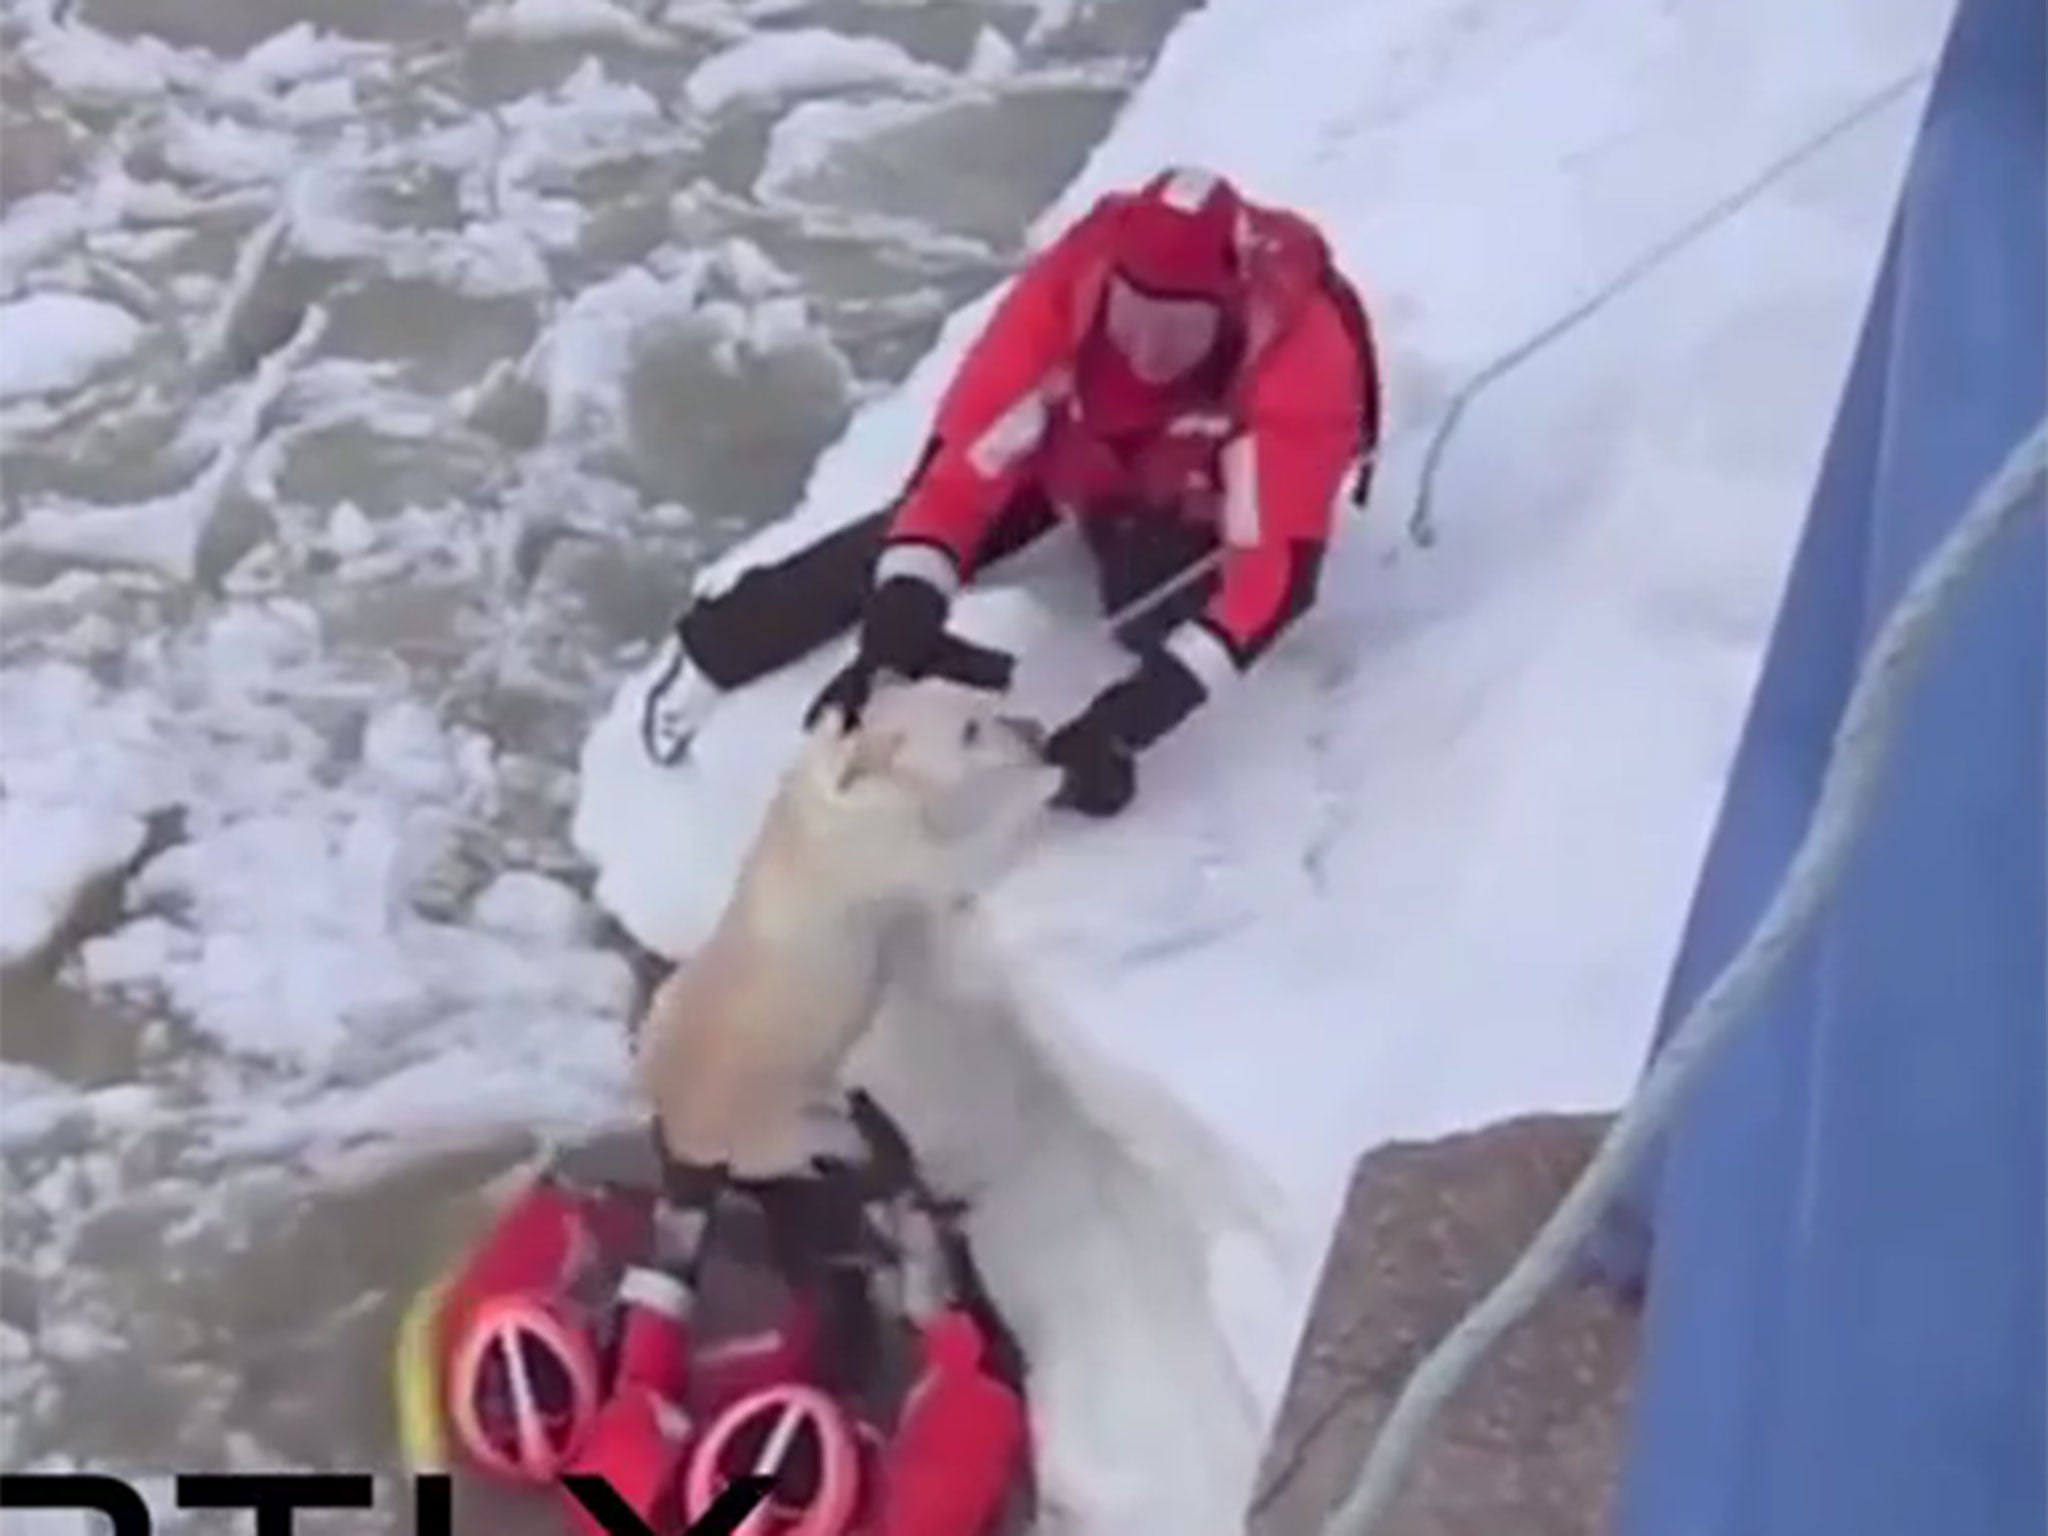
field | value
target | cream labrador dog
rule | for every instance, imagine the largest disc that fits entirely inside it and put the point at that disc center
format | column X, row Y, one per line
column 874, row 828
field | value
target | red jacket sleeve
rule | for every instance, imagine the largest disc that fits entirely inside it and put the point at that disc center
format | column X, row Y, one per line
column 992, row 417
column 1282, row 477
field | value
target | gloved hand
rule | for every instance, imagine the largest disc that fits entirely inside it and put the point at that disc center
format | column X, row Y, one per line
column 900, row 644
column 901, row 630
column 847, row 693
column 1100, row 773
column 1098, row 748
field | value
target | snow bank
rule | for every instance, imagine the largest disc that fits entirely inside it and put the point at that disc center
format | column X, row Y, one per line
column 50, row 342
column 805, row 61
column 1113, row 1176
column 1429, row 869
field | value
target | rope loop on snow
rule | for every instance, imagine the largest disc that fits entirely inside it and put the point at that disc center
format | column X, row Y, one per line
column 1421, row 524
column 1848, row 786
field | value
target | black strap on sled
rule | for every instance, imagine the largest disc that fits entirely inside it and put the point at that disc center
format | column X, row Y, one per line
column 894, row 1165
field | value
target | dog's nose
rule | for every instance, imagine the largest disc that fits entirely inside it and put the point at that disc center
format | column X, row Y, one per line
column 1028, row 731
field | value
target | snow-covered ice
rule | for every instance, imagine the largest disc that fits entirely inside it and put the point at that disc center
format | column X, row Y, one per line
column 1428, row 870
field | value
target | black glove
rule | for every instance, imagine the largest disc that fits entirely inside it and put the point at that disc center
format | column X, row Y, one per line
column 847, row 692
column 1099, row 772
column 901, row 630
column 894, row 639
column 893, row 1167
column 1098, row 748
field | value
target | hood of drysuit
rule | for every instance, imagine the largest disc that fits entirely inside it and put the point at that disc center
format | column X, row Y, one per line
column 1170, row 303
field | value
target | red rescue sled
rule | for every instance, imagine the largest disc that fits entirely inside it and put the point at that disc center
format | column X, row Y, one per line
column 557, row 1346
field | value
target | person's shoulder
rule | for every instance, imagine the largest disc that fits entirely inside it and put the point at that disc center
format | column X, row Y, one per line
column 1088, row 233
column 1302, row 351
column 1283, row 246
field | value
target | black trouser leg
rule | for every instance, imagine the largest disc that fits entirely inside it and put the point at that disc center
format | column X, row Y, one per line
column 778, row 613
column 1137, row 551
column 686, row 1195
column 816, row 1233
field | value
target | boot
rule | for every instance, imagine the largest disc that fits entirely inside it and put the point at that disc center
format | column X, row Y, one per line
column 675, row 706
column 654, row 1333
column 960, row 1444
column 637, row 1446
column 642, row 1434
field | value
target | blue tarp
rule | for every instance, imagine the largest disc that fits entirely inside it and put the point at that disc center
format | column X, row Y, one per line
column 1845, row 1238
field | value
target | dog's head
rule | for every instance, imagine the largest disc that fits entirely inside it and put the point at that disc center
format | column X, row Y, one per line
column 933, row 784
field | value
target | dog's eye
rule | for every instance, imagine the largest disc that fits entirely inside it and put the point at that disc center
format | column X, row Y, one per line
column 971, row 733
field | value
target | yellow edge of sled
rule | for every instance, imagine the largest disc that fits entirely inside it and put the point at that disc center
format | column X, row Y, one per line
column 416, row 1383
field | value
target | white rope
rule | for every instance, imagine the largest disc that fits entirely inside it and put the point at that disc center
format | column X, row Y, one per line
column 1421, row 524
column 1869, row 720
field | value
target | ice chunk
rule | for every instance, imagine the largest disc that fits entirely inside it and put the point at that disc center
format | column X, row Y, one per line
column 51, row 857
column 806, row 61
column 804, row 142
column 53, row 341
column 523, row 904
column 993, row 57
column 559, row 21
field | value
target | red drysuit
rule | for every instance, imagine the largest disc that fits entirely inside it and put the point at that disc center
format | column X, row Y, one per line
column 1258, row 392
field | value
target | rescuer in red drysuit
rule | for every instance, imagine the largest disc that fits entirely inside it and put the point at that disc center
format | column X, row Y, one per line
column 1185, row 374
